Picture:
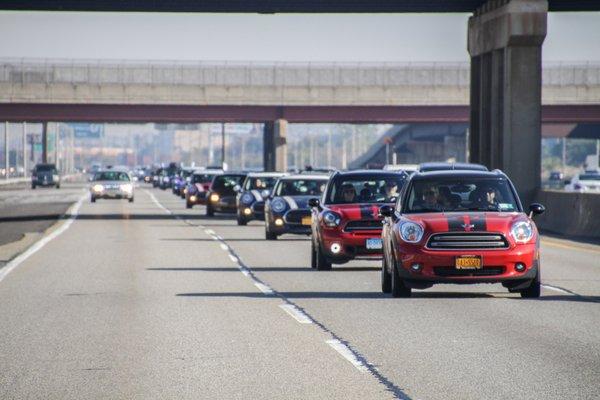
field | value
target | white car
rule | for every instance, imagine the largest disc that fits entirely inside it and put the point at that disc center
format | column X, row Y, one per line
column 588, row 181
column 111, row 184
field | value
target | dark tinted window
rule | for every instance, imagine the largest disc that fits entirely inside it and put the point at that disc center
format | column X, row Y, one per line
column 260, row 183
column 224, row 184
column 460, row 194
column 300, row 187
column 45, row 167
column 111, row 176
column 376, row 188
column 589, row 177
column 202, row 178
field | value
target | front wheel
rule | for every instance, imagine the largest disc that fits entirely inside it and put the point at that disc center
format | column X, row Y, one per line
column 399, row 288
column 209, row 211
column 386, row 277
column 188, row 204
column 58, row 186
column 131, row 200
column 270, row 235
column 323, row 264
column 93, row 199
column 313, row 255
column 33, row 186
column 241, row 221
column 533, row 291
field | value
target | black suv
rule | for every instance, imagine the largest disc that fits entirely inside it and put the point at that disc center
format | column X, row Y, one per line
column 45, row 175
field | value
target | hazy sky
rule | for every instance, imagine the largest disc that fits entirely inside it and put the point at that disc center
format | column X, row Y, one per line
column 280, row 37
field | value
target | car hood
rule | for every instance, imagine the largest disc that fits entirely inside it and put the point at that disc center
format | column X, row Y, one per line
column 467, row 221
column 110, row 183
column 356, row 211
column 295, row 202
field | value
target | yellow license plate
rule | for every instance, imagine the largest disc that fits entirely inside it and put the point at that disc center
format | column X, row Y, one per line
column 468, row 262
column 306, row 220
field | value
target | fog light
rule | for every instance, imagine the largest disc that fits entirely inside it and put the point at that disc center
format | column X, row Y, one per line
column 193, row 199
column 520, row 267
column 279, row 222
column 247, row 211
column 336, row 248
column 185, row 191
column 214, row 197
column 416, row 267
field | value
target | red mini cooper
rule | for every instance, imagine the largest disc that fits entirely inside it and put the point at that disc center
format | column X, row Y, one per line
column 460, row 227
column 346, row 224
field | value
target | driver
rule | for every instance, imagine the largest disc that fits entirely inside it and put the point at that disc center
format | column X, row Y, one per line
column 348, row 193
column 391, row 189
column 430, row 198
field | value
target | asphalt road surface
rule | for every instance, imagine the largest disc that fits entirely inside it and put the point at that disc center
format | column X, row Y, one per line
column 152, row 301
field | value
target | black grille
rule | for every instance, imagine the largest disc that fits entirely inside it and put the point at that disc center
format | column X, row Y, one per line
column 363, row 225
column 295, row 216
column 459, row 241
column 259, row 207
column 451, row 271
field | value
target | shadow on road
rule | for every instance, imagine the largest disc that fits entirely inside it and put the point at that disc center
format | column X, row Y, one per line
column 568, row 297
column 300, row 239
column 341, row 295
column 260, row 269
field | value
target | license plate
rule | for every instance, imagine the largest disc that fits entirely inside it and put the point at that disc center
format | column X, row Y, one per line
column 468, row 262
column 306, row 220
column 374, row 244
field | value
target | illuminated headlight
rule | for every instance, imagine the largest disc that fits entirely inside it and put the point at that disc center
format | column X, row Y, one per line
column 247, row 211
column 279, row 222
column 126, row 187
column 214, row 197
column 247, row 198
column 98, row 188
column 193, row 199
column 522, row 231
column 166, row 179
column 411, row 232
column 278, row 205
column 331, row 219
column 185, row 190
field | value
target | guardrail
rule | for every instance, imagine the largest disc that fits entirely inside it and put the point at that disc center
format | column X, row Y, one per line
column 571, row 214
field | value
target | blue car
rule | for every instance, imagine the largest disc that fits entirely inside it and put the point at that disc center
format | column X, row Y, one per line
column 287, row 209
column 180, row 181
column 250, row 199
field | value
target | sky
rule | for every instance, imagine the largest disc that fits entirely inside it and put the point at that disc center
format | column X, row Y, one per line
column 280, row 37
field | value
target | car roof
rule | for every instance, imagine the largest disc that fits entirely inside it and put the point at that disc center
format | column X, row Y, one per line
column 208, row 172
column 359, row 172
column 439, row 166
column 266, row 174
column 458, row 174
column 299, row 177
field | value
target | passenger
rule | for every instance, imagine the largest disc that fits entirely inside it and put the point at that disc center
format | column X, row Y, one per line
column 348, row 193
column 366, row 195
column 445, row 198
column 491, row 197
column 431, row 199
column 391, row 190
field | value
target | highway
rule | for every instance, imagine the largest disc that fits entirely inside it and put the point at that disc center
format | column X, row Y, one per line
column 152, row 301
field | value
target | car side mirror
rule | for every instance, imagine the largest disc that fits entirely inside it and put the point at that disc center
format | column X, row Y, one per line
column 237, row 188
column 536, row 209
column 314, row 203
column 386, row 211
column 265, row 194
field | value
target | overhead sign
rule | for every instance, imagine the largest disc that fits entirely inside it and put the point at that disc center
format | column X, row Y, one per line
column 85, row 130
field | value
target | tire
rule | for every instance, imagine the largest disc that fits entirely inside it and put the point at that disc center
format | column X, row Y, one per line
column 93, row 199
column 322, row 263
column 188, row 204
column 131, row 200
column 534, row 289
column 33, row 186
column 399, row 289
column 58, row 186
column 386, row 277
column 313, row 255
column 241, row 221
column 182, row 195
column 270, row 235
column 209, row 211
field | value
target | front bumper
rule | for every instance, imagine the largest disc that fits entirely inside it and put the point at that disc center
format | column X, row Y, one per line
column 438, row 266
column 224, row 205
column 288, row 226
column 352, row 244
column 112, row 194
column 251, row 212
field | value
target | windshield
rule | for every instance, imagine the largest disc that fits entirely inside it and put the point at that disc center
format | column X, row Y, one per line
column 589, row 177
column 45, row 167
column 365, row 189
column 111, row 176
column 301, row 187
column 451, row 194
column 202, row 178
column 224, row 184
column 260, row 183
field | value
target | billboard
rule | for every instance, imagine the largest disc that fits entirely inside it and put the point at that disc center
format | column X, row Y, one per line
column 85, row 130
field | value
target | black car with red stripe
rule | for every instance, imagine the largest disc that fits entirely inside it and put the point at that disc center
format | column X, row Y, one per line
column 345, row 223
column 460, row 227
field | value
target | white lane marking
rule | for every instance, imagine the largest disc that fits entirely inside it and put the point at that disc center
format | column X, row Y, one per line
column 557, row 289
column 224, row 247
column 209, row 231
column 233, row 258
column 263, row 288
column 72, row 212
column 347, row 354
column 296, row 313
column 155, row 201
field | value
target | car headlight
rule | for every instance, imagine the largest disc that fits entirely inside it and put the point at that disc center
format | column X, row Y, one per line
column 247, row 198
column 411, row 232
column 54, row 177
column 166, row 179
column 521, row 231
column 278, row 205
column 214, row 197
column 126, row 187
column 331, row 219
column 98, row 188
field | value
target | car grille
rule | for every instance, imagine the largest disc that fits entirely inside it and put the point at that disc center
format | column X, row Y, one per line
column 451, row 271
column 295, row 216
column 363, row 225
column 467, row 241
column 259, row 207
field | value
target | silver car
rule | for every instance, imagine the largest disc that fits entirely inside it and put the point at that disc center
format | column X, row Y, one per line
column 111, row 184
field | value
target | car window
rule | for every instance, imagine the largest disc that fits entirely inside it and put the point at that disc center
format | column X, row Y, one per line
column 111, row 176
column 260, row 183
column 365, row 189
column 45, row 168
column 452, row 194
column 589, row 177
column 224, row 184
column 301, row 187
column 202, row 178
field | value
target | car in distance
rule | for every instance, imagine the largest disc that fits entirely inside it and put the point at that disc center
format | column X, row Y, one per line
column 45, row 175
column 460, row 227
column 287, row 209
column 346, row 224
column 588, row 181
column 111, row 184
column 221, row 195
column 180, row 180
column 196, row 190
column 251, row 195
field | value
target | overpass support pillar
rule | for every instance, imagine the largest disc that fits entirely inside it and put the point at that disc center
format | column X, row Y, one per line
column 44, row 142
column 275, row 145
column 505, row 43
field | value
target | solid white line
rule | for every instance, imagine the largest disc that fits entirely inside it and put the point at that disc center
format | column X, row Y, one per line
column 73, row 211
column 556, row 289
column 263, row 288
column 224, row 246
column 209, row 231
column 347, row 354
column 233, row 258
column 158, row 203
column 296, row 313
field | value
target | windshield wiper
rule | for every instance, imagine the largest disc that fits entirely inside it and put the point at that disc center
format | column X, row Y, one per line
column 487, row 208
